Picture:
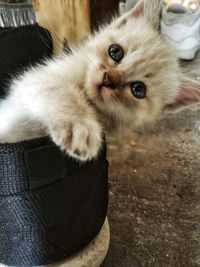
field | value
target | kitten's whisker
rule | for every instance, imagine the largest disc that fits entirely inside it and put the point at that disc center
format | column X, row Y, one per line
column 45, row 42
column 90, row 60
column 116, row 114
column 108, row 118
column 84, row 55
column 119, row 118
column 57, row 40
column 136, row 55
column 93, row 5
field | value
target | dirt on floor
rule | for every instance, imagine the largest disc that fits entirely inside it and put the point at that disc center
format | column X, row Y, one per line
column 154, row 209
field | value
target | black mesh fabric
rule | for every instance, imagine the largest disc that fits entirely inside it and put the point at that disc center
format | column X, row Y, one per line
column 46, row 218
column 51, row 206
column 20, row 48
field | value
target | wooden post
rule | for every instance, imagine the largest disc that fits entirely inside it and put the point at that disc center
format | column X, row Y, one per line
column 67, row 20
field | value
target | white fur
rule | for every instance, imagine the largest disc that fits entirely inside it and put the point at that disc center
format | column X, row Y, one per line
column 61, row 97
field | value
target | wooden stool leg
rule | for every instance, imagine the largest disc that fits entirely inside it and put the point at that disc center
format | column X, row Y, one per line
column 67, row 20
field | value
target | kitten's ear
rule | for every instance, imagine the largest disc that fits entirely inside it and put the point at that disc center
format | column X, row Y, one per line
column 150, row 10
column 189, row 94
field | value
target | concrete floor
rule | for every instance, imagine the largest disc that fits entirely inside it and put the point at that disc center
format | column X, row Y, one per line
column 154, row 209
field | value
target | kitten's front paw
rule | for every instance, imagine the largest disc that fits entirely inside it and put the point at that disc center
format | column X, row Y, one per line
column 80, row 139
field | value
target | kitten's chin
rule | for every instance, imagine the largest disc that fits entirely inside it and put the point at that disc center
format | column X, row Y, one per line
column 96, row 95
column 102, row 96
column 105, row 95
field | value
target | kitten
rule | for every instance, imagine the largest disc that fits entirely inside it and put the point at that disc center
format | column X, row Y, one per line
column 125, row 72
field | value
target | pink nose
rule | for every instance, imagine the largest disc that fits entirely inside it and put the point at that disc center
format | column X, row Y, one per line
column 108, row 81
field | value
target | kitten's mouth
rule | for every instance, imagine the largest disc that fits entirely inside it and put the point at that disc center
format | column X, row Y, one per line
column 106, row 89
column 99, row 93
column 105, row 94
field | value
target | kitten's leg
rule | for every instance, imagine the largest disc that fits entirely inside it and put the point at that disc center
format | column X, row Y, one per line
column 15, row 126
column 65, row 113
column 74, row 127
column 11, row 118
column 79, row 134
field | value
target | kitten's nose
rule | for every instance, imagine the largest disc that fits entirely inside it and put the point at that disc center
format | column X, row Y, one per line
column 108, row 81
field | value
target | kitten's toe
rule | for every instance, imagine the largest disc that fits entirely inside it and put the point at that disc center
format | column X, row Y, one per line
column 81, row 140
column 86, row 141
column 61, row 134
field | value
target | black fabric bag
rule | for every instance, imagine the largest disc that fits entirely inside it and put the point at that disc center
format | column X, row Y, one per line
column 51, row 206
column 20, row 48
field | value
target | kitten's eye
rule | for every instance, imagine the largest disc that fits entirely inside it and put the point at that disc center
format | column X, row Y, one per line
column 116, row 52
column 139, row 89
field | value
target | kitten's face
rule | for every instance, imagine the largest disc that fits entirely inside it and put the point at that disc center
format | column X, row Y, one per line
column 132, row 70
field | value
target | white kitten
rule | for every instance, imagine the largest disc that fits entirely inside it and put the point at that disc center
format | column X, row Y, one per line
column 125, row 72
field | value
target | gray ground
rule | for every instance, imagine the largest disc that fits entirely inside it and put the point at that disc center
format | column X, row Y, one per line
column 154, row 209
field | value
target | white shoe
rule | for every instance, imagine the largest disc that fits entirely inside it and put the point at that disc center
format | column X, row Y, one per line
column 181, row 28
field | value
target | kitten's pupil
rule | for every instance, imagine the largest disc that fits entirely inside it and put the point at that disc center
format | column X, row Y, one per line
column 116, row 52
column 138, row 89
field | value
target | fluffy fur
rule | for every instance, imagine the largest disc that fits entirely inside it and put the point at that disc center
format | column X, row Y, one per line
column 63, row 97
